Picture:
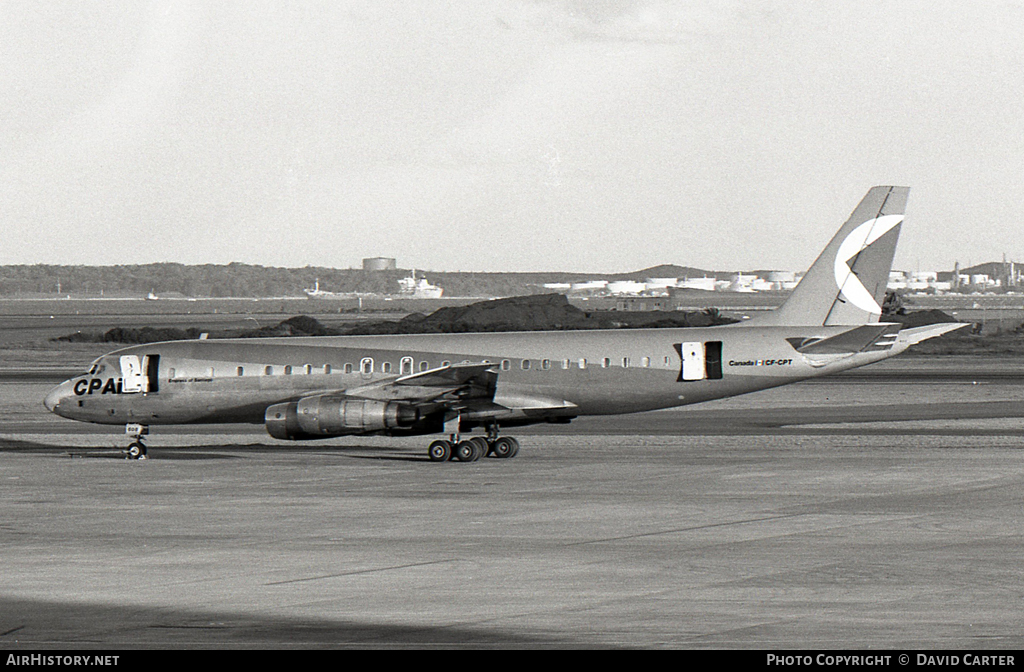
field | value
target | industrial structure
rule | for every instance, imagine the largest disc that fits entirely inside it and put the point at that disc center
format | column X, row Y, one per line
column 380, row 264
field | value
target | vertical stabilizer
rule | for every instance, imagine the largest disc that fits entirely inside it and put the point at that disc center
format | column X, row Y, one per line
column 846, row 284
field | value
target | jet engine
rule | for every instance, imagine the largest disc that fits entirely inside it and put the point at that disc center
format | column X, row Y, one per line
column 324, row 416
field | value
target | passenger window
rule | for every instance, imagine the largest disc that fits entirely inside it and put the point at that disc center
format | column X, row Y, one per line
column 288, row 370
column 506, row 365
column 446, row 363
column 606, row 362
column 566, row 363
column 645, row 362
column 583, row 363
column 327, row 369
column 308, row 368
column 239, row 371
column 545, row 364
column 385, row 367
column 406, row 366
column 625, row 362
column 366, row 365
column 268, row 371
column 424, row 365
column 525, row 365
column 348, row 368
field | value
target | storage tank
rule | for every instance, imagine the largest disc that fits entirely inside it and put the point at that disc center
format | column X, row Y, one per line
column 379, row 264
column 781, row 276
column 626, row 287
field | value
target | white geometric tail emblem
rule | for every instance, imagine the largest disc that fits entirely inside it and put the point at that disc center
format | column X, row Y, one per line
column 849, row 284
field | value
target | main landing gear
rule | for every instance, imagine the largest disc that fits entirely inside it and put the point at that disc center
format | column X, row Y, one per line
column 471, row 450
column 136, row 449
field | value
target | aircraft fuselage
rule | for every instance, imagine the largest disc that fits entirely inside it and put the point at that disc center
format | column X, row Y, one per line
column 541, row 376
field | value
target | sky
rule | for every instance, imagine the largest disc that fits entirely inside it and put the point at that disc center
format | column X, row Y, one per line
column 506, row 135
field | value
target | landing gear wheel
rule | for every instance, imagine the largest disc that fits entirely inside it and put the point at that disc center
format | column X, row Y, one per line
column 467, row 451
column 440, row 451
column 136, row 451
column 505, row 447
column 482, row 446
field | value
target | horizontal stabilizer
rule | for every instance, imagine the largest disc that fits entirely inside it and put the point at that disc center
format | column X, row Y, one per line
column 908, row 337
column 859, row 339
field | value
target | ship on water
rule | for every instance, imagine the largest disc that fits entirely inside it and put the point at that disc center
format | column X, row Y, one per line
column 411, row 288
column 317, row 293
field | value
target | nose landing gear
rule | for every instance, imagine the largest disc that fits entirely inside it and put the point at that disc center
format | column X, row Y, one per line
column 136, row 449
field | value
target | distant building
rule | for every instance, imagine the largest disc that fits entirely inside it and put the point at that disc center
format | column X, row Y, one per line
column 635, row 304
column 379, row 264
column 705, row 284
column 656, row 284
column 782, row 280
column 918, row 282
column 589, row 286
column 897, row 280
column 625, row 287
column 742, row 283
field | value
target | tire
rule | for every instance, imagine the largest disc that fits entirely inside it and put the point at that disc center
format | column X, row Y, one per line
column 440, row 451
column 482, row 447
column 466, row 451
column 136, row 451
column 503, row 447
column 515, row 447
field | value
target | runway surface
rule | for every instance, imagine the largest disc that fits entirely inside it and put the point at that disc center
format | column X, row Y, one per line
column 875, row 512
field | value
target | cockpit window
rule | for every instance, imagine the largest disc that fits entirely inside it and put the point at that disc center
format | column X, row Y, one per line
column 96, row 368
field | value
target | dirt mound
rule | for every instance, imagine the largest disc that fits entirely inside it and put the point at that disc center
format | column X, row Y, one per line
column 920, row 318
column 132, row 335
column 540, row 312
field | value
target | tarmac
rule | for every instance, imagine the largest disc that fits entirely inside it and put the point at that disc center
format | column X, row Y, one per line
column 874, row 512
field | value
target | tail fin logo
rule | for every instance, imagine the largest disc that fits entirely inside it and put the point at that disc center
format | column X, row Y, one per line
column 849, row 284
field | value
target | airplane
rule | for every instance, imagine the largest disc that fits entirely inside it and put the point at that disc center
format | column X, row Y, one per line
column 320, row 387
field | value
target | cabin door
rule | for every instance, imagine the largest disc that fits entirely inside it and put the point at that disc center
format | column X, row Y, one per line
column 151, row 363
column 693, row 360
column 132, row 379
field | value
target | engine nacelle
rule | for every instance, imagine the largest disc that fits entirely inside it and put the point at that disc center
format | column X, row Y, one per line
column 324, row 416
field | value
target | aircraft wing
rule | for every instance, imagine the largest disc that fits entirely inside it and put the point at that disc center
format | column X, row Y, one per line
column 467, row 388
column 454, row 385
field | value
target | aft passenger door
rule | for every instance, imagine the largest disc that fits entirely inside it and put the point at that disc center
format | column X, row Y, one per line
column 700, row 360
column 693, row 360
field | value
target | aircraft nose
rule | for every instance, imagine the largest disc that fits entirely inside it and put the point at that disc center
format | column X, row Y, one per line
column 54, row 396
